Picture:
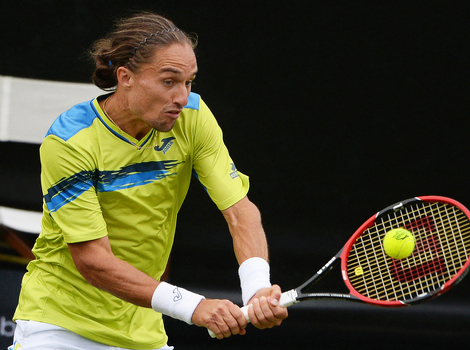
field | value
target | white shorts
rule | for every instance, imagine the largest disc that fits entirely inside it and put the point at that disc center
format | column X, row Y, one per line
column 45, row 336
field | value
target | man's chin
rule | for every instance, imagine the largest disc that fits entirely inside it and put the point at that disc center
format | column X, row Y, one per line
column 165, row 127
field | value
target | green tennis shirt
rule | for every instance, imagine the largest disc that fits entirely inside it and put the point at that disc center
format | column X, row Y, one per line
column 99, row 181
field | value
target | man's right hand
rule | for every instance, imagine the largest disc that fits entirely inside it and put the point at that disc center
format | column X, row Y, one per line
column 222, row 317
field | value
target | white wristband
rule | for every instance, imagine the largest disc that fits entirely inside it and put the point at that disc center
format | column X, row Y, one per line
column 254, row 275
column 175, row 302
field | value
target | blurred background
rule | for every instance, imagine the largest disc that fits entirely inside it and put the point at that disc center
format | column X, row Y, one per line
column 334, row 109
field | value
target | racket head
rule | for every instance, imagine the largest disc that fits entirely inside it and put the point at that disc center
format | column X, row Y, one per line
column 441, row 227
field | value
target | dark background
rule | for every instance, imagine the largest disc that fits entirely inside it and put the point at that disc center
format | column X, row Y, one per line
column 336, row 109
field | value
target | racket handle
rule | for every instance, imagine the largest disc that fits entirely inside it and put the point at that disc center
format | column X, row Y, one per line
column 287, row 299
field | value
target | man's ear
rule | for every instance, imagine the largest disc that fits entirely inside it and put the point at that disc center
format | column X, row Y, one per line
column 124, row 76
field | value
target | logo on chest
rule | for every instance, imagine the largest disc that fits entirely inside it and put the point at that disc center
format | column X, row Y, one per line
column 166, row 145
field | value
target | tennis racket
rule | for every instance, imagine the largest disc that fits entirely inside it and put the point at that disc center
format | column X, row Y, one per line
column 441, row 227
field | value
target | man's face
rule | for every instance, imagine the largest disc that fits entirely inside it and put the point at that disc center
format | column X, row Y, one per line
column 160, row 90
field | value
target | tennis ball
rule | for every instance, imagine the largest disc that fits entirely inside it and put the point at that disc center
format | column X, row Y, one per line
column 399, row 243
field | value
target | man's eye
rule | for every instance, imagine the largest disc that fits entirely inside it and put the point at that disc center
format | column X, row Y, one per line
column 168, row 82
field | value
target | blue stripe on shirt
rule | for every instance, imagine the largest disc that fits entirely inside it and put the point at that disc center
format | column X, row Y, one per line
column 66, row 190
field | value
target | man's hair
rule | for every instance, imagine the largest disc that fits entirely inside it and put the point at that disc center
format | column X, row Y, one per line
column 133, row 43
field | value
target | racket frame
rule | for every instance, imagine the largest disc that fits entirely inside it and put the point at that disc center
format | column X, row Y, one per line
column 422, row 297
column 299, row 294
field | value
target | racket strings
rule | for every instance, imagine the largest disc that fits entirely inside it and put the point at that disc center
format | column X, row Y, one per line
column 442, row 234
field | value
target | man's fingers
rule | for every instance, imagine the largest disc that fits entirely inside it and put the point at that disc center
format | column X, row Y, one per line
column 222, row 317
column 265, row 313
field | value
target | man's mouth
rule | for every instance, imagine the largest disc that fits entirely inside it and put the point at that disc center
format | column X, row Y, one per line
column 174, row 113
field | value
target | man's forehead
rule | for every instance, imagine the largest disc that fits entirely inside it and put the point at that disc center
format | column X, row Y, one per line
column 176, row 59
column 174, row 70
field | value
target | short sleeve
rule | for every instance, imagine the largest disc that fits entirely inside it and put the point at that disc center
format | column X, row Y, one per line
column 213, row 165
column 68, row 185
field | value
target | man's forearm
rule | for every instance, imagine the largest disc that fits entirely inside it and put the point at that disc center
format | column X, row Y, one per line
column 244, row 222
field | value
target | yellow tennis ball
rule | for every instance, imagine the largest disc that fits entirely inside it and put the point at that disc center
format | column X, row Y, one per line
column 399, row 243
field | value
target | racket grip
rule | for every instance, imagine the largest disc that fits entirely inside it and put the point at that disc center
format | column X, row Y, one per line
column 287, row 299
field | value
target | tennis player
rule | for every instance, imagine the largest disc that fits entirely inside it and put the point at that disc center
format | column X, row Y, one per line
column 115, row 172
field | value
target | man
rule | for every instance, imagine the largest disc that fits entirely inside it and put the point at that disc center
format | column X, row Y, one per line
column 115, row 171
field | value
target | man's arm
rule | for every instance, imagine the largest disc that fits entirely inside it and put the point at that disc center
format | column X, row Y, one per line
column 101, row 268
column 244, row 222
column 249, row 241
column 98, row 265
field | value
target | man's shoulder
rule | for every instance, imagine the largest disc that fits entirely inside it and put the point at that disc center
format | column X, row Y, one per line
column 194, row 101
column 72, row 121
